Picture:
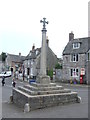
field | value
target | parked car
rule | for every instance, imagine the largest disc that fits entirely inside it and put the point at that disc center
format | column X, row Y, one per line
column 5, row 74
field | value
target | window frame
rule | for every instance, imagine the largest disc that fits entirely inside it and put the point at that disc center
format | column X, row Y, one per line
column 76, row 45
column 74, row 72
column 74, row 57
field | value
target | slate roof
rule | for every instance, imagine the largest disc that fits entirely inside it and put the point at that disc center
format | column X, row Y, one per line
column 16, row 58
column 32, row 54
column 84, row 46
column 51, row 59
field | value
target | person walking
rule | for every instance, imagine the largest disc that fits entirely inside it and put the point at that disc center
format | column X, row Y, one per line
column 13, row 82
column 3, row 81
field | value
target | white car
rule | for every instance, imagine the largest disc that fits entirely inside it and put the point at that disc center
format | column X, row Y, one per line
column 5, row 74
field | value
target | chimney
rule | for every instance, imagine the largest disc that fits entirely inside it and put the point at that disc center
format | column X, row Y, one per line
column 33, row 47
column 19, row 54
column 71, row 36
column 47, row 41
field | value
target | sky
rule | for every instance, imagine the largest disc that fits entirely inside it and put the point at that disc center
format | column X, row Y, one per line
column 20, row 25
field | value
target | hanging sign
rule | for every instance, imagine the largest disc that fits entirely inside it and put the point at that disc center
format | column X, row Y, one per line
column 82, row 71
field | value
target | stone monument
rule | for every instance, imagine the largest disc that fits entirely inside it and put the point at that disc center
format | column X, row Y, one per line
column 42, row 78
column 42, row 93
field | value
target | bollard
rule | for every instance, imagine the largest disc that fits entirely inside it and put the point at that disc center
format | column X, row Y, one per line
column 11, row 99
column 26, row 107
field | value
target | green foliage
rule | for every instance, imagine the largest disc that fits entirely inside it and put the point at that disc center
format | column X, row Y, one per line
column 58, row 66
column 50, row 73
column 3, row 56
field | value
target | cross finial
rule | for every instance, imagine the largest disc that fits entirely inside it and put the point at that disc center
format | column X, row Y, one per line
column 44, row 22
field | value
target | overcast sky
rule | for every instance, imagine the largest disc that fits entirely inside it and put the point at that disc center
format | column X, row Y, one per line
column 20, row 25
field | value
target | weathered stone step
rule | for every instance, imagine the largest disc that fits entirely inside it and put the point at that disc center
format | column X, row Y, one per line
column 43, row 85
column 30, row 92
column 53, row 92
column 31, row 87
column 40, row 101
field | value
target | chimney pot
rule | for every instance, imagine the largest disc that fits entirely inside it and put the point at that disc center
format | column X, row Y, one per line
column 71, row 36
column 33, row 47
column 20, row 54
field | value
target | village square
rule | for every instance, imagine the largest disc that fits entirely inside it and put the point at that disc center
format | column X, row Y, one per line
column 43, row 85
column 42, row 74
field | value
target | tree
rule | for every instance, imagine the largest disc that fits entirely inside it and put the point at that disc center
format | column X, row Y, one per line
column 58, row 66
column 3, row 56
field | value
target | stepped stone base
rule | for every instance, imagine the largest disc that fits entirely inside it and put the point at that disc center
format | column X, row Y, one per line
column 42, row 95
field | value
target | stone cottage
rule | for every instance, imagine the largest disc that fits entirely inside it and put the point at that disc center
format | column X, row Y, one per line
column 14, row 62
column 74, row 59
column 32, row 61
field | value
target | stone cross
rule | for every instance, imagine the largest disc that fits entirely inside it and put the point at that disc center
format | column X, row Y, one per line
column 42, row 77
column 44, row 22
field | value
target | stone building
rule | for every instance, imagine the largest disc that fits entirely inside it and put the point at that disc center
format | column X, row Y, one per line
column 74, row 59
column 88, row 67
column 14, row 62
column 2, row 64
column 32, row 61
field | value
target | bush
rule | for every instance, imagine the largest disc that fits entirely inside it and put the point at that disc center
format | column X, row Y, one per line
column 50, row 73
column 58, row 66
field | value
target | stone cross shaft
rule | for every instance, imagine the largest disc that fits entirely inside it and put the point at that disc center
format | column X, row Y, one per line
column 43, row 49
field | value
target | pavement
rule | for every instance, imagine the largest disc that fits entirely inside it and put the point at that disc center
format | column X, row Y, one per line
column 76, row 85
column 59, row 83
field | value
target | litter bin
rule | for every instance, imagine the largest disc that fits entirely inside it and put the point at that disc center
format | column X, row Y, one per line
column 31, row 81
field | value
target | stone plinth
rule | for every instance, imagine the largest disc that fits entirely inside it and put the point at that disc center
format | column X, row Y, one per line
column 43, row 95
column 43, row 79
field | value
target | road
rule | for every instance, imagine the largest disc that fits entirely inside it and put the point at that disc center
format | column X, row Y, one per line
column 77, row 110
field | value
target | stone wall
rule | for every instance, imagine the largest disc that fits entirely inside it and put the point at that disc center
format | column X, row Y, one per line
column 68, row 64
column 59, row 75
column 8, row 61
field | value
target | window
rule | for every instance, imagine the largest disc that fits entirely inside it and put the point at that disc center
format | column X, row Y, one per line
column 74, row 72
column 76, row 45
column 71, row 72
column 37, row 52
column 74, row 57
